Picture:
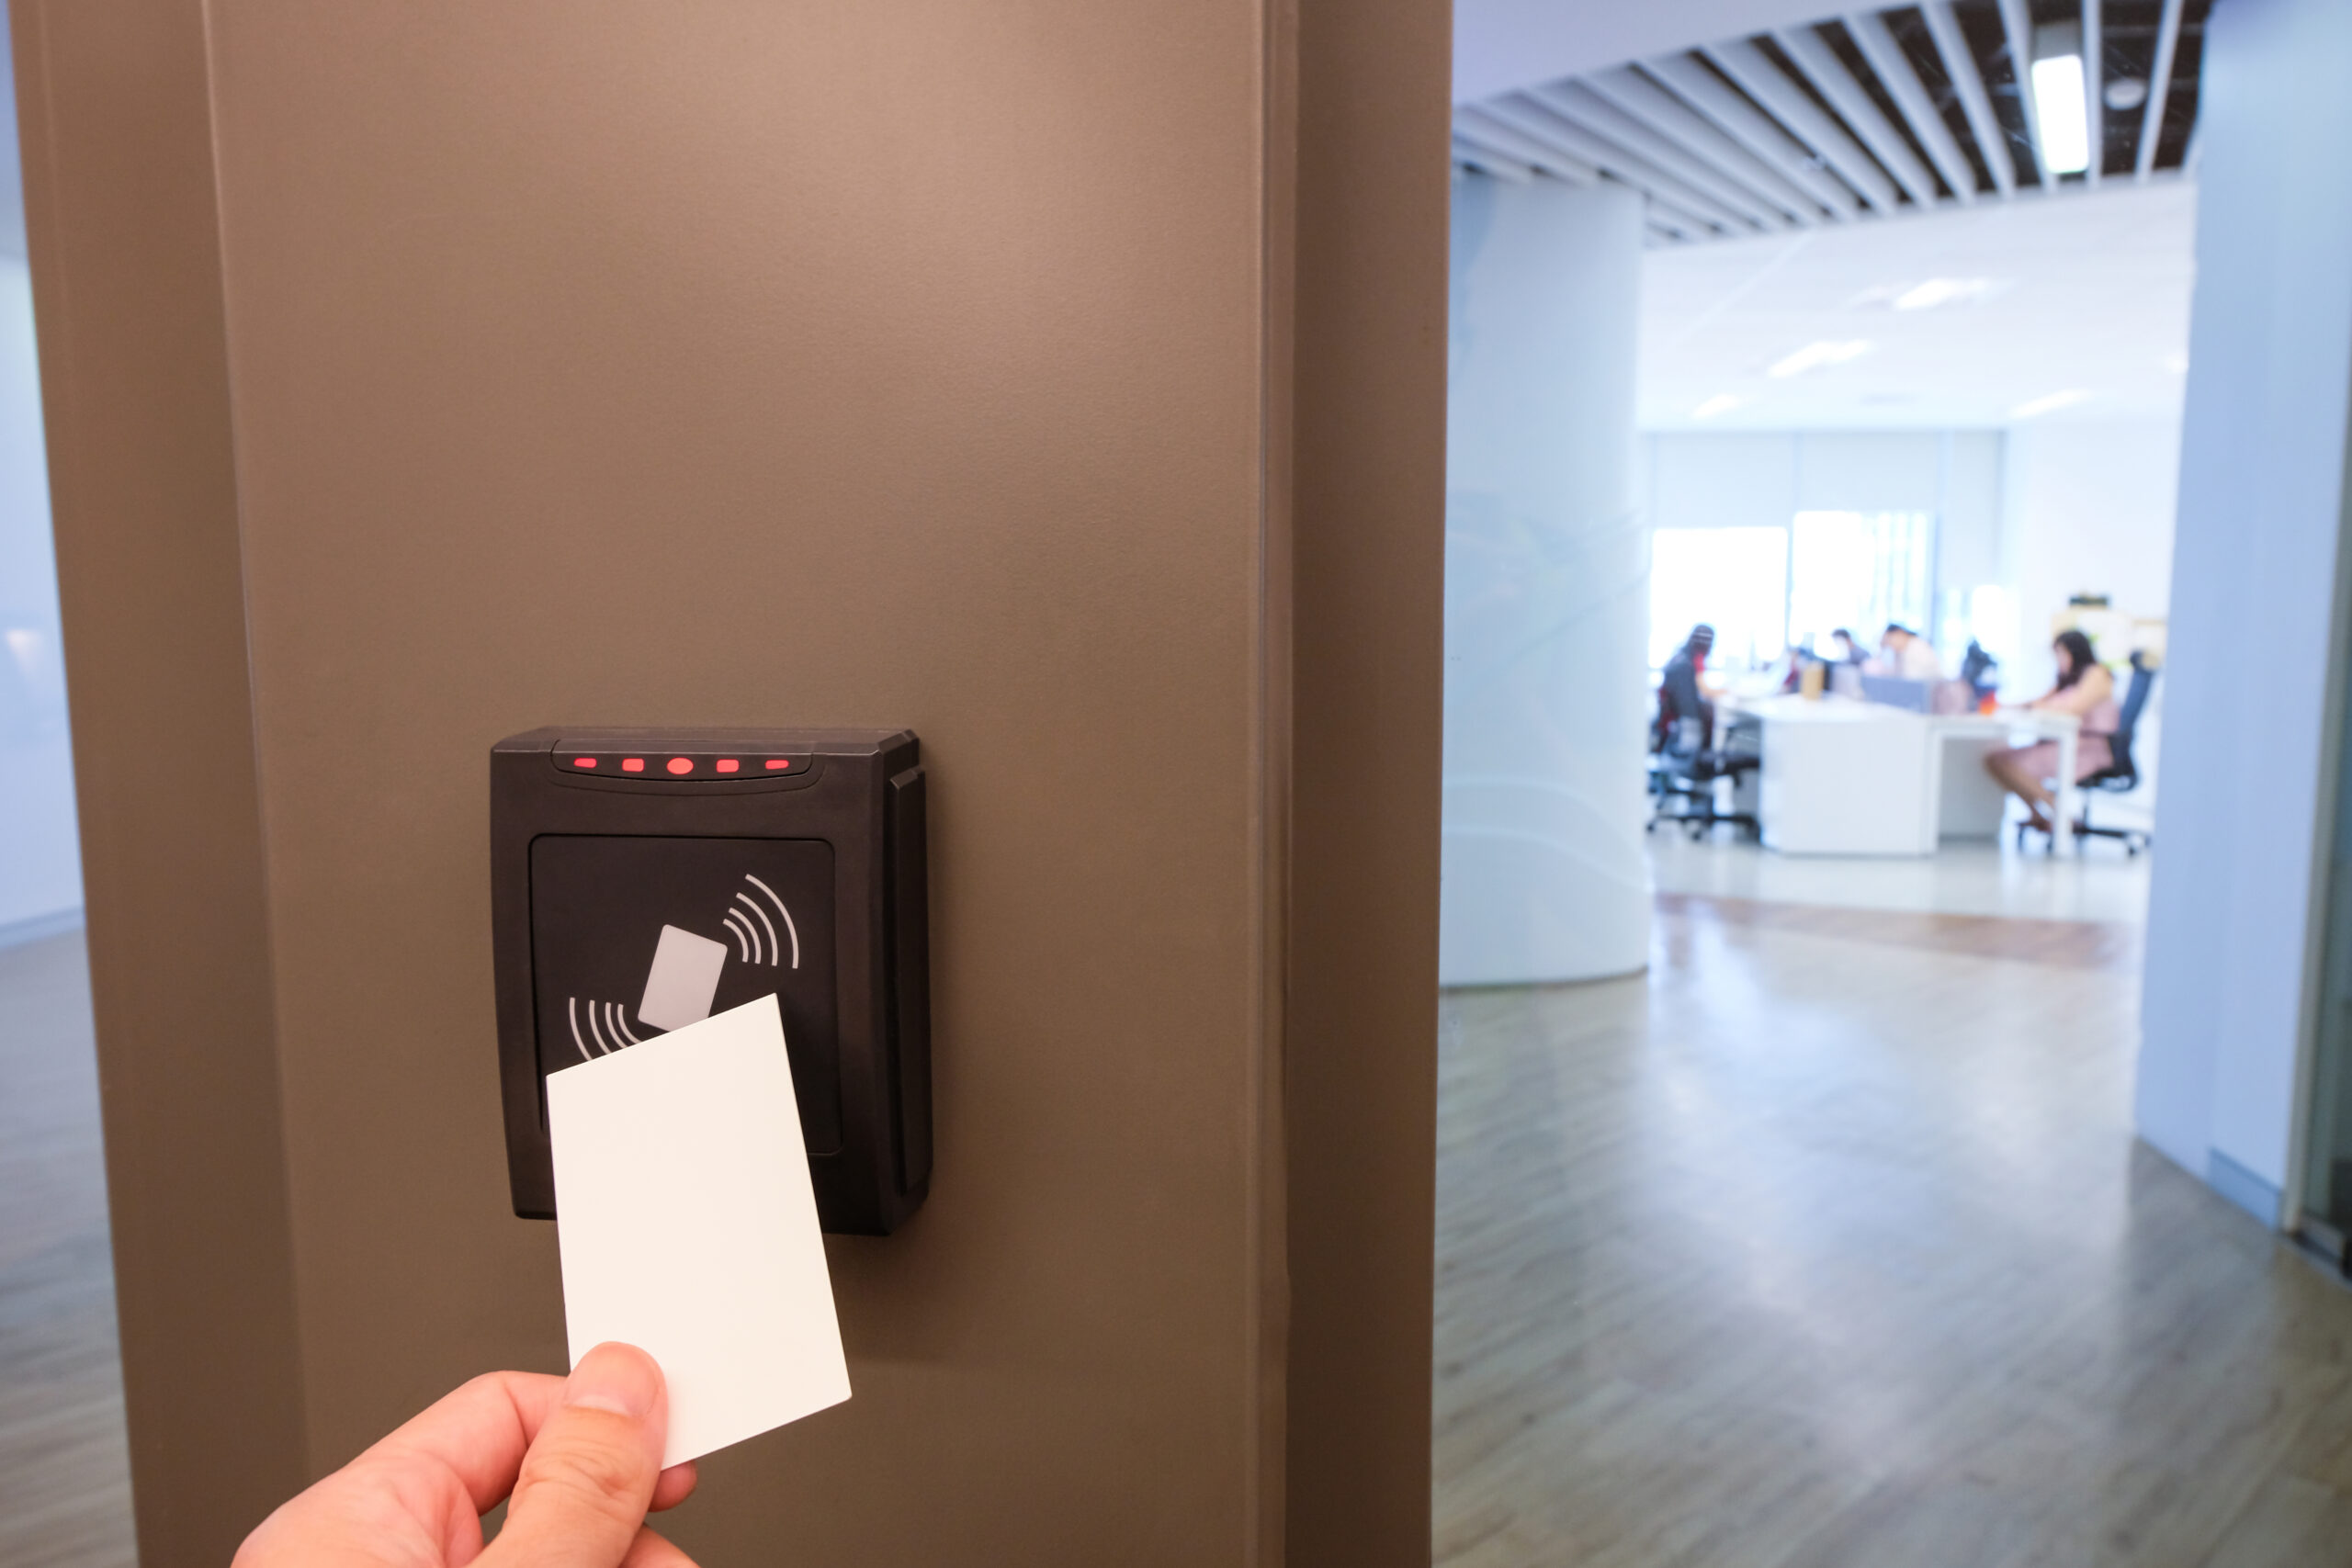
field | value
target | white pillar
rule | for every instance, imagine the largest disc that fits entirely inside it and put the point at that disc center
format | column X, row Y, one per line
column 1546, row 591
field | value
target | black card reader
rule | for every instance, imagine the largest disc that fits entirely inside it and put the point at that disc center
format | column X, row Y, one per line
column 642, row 880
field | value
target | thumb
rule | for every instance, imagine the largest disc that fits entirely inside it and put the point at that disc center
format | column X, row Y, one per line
column 588, row 1478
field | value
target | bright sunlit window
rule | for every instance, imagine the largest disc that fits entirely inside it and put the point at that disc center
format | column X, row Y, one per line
column 1735, row 579
column 1860, row 570
column 1764, row 590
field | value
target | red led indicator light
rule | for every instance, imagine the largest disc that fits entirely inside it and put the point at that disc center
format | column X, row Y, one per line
column 682, row 765
column 776, row 764
column 632, row 764
column 728, row 765
column 583, row 761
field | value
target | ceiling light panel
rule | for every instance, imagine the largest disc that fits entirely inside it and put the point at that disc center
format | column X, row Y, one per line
column 1814, row 356
column 1938, row 291
column 2050, row 403
column 2064, row 111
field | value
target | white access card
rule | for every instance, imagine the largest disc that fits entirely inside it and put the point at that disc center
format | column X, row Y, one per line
column 688, row 1226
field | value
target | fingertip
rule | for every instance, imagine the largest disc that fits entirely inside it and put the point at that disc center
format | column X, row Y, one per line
column 617, row 1378
column 584, row 1487
column 673, row 1486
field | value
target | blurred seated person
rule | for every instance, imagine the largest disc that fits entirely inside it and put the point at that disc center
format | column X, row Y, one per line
column 1844, row 649
column 1980, row 670
column 1904, row 652
column 2085, row 690
column 1686, row 719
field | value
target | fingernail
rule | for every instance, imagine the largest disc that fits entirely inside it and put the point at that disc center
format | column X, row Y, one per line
column 608, row 1377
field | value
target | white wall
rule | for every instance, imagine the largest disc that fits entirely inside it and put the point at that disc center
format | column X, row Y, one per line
column 1969, row 531
column 2087, row 507
column 1546, row 591
column 40, row 878
column 2255, row 569
column 1502, row 44
column 40, row 874
column 1749, row 479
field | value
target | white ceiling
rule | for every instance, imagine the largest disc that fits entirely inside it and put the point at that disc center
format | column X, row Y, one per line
column 2090, row 296
column 1502, row 44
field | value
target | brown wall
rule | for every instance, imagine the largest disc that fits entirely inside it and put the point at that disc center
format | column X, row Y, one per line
column 125, row 249
column 1369, row 557
column 741, row 363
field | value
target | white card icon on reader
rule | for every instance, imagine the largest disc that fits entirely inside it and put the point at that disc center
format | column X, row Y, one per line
column 683, row 979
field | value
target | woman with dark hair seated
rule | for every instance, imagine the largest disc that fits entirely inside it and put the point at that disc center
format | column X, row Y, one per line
column 2085, row 690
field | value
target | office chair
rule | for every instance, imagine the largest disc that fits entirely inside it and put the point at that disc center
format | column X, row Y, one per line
column 1684, row 769
column 2121, row 775
column 1980, row 670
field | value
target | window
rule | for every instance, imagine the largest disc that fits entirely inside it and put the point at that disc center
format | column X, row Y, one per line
column 1765, row 589
column 1735, row 579
column 1861, row 570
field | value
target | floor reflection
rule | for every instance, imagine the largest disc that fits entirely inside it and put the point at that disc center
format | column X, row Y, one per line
column 1828, row 1243
column 64, row 1464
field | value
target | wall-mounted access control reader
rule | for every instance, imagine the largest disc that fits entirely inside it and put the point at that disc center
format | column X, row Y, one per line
column 644, row 879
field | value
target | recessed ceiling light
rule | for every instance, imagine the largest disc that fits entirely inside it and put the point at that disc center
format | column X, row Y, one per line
column 2124, row 94
column 1722, row 402
column 2059, row 100
column 1812, row 355
column 2050, row 403
column 1943, row 291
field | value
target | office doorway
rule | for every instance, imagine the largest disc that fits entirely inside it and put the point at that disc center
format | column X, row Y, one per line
column 63, row 1442
column 1817, row 1229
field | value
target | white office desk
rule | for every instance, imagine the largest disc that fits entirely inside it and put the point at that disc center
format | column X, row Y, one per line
column 2006, row 727
column 1842, row 777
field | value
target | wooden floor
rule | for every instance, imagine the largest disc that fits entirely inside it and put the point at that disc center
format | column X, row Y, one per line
column 64, row 1473
column 1827, row 1245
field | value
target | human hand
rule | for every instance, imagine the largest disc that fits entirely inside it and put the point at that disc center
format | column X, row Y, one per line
column 581, row 1456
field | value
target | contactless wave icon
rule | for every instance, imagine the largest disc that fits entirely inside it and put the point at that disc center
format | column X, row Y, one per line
column 741, row 915
column 607, row 1026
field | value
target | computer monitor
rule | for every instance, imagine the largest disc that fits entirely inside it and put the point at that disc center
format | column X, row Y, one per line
column 1896, row 692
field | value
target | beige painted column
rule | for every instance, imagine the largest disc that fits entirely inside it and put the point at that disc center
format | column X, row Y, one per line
column 421, row 373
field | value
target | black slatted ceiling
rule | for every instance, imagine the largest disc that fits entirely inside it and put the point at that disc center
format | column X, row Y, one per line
column 2129, row 38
